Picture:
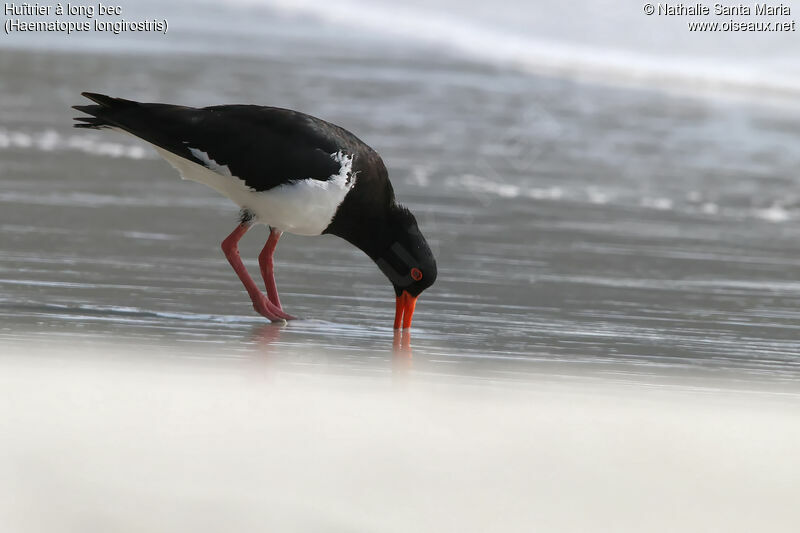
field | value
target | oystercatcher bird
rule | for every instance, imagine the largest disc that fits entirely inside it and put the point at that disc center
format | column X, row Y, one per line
column 287, row 170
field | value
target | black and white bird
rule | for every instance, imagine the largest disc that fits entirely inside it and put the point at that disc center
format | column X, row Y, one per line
column 290, row 171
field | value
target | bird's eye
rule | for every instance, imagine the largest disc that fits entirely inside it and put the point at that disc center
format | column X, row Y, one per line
column 416, row 274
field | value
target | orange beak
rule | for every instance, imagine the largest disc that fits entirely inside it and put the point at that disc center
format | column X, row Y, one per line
column 404, row 310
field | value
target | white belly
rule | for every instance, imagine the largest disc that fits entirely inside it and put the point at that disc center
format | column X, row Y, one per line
column 304, row 207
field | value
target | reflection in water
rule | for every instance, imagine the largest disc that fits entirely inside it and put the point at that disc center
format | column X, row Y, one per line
column 265, row 351
column 402, row 356
column 265, row 335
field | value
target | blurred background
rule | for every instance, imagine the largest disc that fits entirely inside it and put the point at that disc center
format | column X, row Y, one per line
column 612, row 199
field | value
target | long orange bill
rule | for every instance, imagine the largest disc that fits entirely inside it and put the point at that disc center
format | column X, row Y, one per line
column 404, row 310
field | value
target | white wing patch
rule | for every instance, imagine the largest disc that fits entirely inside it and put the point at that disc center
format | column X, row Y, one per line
column 210, row 163
column 304, row 206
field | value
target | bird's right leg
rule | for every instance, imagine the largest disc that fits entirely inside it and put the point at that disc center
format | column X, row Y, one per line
column 230, row 246
column 267, row 270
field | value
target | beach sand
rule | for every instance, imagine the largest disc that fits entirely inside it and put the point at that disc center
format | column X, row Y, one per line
column 117, row 439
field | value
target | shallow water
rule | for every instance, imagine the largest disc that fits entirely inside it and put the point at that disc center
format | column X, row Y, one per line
column 578, row 227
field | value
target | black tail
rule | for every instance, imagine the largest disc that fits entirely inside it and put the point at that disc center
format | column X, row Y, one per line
column 102, row 115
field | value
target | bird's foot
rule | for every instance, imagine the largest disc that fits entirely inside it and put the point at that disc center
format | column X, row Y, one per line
column 269, row 310
column 287, row 316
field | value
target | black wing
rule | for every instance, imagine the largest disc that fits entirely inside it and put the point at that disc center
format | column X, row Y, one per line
column 264, row 146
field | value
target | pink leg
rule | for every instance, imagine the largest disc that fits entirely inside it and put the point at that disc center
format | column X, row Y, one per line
column 262, row 305
column 265, row 262
column 267, row 272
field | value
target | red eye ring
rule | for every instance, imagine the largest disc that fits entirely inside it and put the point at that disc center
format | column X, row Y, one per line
column 416, row 274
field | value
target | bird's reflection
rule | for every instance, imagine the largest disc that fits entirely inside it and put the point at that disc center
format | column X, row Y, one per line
column 266, row 336
column 402, row 356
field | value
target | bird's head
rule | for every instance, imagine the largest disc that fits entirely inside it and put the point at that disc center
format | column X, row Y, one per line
column 407, row 262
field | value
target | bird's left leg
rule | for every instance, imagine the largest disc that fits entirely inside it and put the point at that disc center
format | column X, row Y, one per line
column 267, row 271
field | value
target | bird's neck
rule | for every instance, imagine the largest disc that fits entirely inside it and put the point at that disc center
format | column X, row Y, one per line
column 369, row 232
